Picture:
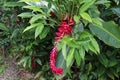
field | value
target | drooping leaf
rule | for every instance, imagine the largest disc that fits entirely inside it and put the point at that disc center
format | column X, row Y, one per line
column 109, row 33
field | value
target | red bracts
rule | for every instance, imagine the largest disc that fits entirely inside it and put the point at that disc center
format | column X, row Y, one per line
column 64, row 29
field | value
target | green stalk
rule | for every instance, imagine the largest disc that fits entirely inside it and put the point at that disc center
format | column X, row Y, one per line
column 72, row 8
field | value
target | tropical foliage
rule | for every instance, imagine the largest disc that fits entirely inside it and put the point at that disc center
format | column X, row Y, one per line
column 80, row 37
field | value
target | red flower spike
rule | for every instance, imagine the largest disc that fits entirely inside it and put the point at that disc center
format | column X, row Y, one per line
column 53, row 67
column 64, row 29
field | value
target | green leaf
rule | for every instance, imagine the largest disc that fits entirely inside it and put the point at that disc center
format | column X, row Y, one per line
column 97, row 21
column 14, row 4
column 82, row 52
column 61, row 63
column 29, row 0
column 102, row 2
column 38, row 61
column 35, row 18
column 101, row 70
column 3, row 27
column 86, row 16
column 77, row 58
column 109, row 33
column 44, row 32
column 38, row 74
column 83, row 76
column 34, row 8
column 39, row 29
column 95, row 45
column 30, row 27
column 112, row 63
column 111, row 75
column 91, row 47
column 86, row 5
column 103, row 59
column 116, row 11
column 64, row 51
column 26, row 15
column 70, row 57
column 70, row 42
column 77, row 19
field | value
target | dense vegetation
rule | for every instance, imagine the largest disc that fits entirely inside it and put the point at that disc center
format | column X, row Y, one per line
column 88, row 49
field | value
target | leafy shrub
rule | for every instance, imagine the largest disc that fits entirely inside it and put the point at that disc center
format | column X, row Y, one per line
column 82, row 52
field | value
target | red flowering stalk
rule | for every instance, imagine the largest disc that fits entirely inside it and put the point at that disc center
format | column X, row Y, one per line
column 53, row 67
column 33, row 62
column 64, row 29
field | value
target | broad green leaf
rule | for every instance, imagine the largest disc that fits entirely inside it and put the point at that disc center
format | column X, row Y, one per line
column 82, row 52
column 86, row 5
column 86, row 16
column 35, row 18
column 77, row 58
column 77, row 18
column 3, row 27
column 30, row 27
column 70, row 57
column 39, row 29
column 26, row 15
column 109, row 33
column 14, row 4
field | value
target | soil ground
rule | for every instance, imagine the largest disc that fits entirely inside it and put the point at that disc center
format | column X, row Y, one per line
column 14, row 72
